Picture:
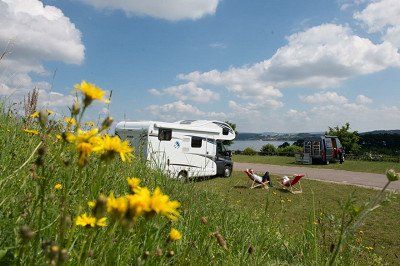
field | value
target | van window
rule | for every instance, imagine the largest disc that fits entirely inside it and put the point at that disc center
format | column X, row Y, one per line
column 164, row 134
column 197, row 142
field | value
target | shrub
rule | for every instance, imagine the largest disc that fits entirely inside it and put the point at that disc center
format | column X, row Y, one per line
column 249, row 151
column 289, row 150
column 268, row 149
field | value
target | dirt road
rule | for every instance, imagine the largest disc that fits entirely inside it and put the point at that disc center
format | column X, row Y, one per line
column 369, row 180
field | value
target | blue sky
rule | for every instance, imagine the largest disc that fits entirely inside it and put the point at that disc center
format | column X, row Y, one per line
column 266, row 65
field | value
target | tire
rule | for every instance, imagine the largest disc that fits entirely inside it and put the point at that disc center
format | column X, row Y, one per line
column 182, row 176
column 227, row 171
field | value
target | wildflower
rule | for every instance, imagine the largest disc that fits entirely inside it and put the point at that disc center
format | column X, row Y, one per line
column 110, row 146
column 133, row 184
column 174, row 235
column 85, row 220
column 75, row 108
column 86, row 142
column 58, row 186
column 117, row 206
column 161, row 204
column 90, row 221
column 91, row 204
column 139, row 203
column 369, row 248
column 392, row 175
column 34, row 114
column 59, row 137
column 102, row 222
column 70, row 121
column 31, row 131
column 91, row 92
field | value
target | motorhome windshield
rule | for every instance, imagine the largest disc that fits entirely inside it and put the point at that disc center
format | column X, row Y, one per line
column 221, row 148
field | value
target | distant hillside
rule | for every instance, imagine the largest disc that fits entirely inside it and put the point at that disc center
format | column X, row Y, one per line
column 297, row 136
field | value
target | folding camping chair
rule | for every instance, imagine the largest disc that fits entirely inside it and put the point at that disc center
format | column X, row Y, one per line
column 291, row 184
column 256, row 183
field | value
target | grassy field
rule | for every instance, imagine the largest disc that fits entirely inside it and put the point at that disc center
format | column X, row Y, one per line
column 52, row 175
column 357, row 166
column 291, row 212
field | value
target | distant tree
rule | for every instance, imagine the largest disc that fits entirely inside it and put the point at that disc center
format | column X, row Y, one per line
column 268, row 149
column 249, row 151
column 298, row 143
column 284, row 145
column 233, row 126
column 349, row 139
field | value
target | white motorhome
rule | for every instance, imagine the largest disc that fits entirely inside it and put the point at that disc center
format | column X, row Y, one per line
column 183, row 149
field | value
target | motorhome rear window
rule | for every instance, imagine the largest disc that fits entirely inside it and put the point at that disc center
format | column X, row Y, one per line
column 165, row 134
column 225, row 131
column 197, row 142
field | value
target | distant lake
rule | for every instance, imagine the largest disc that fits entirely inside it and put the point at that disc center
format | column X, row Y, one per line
column 255, row 144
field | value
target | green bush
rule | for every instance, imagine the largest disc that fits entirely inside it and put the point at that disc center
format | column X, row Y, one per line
column 268, row 149
column 249, row 151
column 289, row 150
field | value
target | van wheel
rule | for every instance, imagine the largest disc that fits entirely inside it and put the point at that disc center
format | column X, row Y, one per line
column 227, row 171
column 182, row 176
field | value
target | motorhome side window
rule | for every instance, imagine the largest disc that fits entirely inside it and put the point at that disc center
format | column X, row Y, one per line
column 197, row 142
column 225, row 131
column 164, row 134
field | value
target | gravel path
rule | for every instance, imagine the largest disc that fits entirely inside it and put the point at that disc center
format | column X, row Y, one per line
column 369, row 180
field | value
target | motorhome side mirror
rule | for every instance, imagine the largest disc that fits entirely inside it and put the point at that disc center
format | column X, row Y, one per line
column 228, row 153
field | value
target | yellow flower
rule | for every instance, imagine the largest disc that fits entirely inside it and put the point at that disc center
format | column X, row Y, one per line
column 117, row 206
column 102, row 222
column 86, row 142
column 59, row 137
column 85, row 220
column 139, row 203
column 133, row 184
column 91, row 204
column 34, row 114
column 31, row 131
column 58, row 186
column 161, row 204
column 91, row 92
column 108, row 147
column 174, row 235
column 70, row 121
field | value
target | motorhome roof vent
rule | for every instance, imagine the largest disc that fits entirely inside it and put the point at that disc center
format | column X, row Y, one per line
column 187, row 122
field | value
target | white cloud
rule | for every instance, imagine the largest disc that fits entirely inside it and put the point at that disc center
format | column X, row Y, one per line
column 382, row 16
column 33, row 33
column 188, row 91
column 323, row 98
column 362, row 99
column 164, row 9
column 320, row 57
column 180, row 110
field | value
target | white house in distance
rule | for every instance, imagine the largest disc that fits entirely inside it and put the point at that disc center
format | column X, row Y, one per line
column 183, row 149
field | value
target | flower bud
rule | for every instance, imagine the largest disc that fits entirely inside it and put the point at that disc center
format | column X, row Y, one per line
column 107, row 122
column 43, row 116
column 75, row 109
column 392, row 175
column 26, row 233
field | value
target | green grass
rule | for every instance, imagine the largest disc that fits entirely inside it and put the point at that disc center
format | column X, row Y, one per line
column 356, row 166
column 259, row 227
column 291, row 211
